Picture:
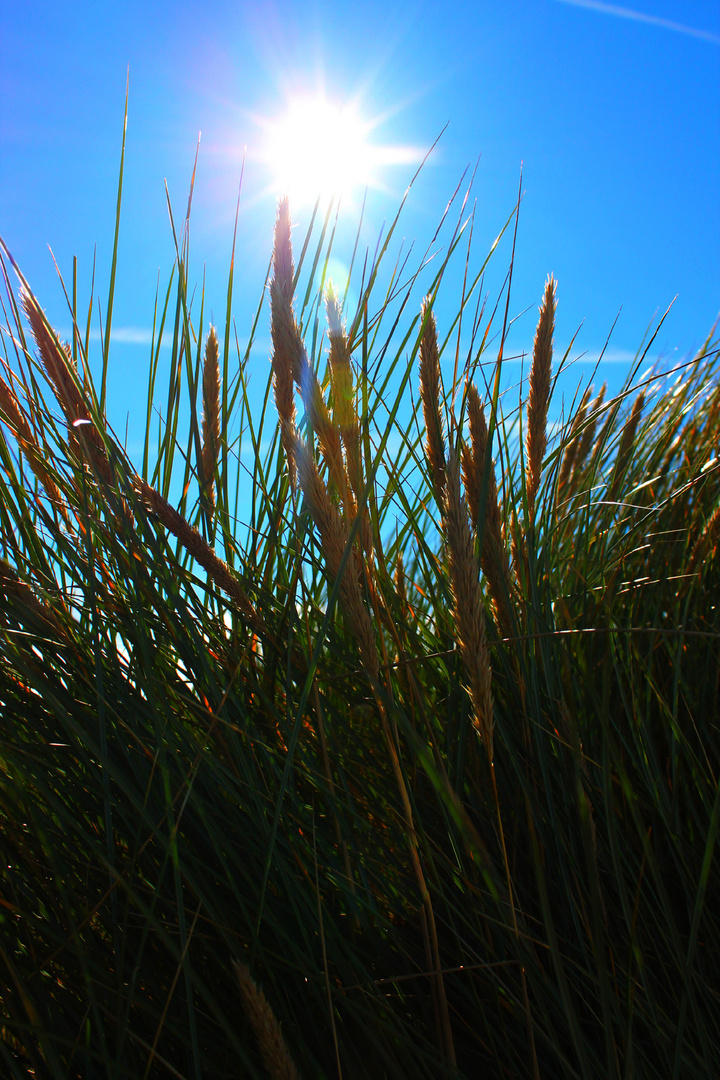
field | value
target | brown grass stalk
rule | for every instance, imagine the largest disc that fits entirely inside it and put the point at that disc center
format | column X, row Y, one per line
column 285, row 362
column 494, row 557
column 343, row 391
column 588, row 435
column 539, row 394
column 290, row 363
column 430, row 394
column 625, row 448
column 200, row 550
column 211, row 414
column 570, row 456
column 15, row 416
column 468, row 605
column 273, row 1048
column 345, row 415
column 58, row 365
column 334, row 536
column 706, row 541
column 328, row 436
column 470, row 623
column 11, row 585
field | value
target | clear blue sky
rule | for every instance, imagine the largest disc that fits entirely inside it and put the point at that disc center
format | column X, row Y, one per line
column 614, row 111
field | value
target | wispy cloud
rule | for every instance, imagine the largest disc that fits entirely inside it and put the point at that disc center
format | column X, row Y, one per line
column 131, row 335
column 121, row 335
column 640, row 16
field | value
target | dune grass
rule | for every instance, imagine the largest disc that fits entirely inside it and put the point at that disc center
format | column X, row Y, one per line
column 417, row 776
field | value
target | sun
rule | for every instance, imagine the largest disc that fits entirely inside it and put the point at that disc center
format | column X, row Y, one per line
column 319, row 149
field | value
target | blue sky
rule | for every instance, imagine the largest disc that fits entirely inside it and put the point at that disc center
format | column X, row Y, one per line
column 613, row 110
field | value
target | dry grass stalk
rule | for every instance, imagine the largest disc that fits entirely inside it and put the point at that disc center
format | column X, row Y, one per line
column 469, row 612
column 430, row 394
column 284, row 330
column 290, row 362
column 345, row 413
column 494, row 557
column 572, row 447
column 588, row 435
column 273, row 1048
column 211, row 414
column 625, row 448
column 539, row 394
column 706, row 541
column 15, row 416
column 200, row 550
column 400, row 581
column 57, row 362
column 12, row 586
column 344, row 410
column 327, row 434
column 334, row 536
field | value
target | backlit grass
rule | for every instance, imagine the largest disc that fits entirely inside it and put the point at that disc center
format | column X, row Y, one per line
column 421, row 766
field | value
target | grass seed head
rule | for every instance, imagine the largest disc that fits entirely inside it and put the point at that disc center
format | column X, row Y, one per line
column 588, row 436
column 273, row 1048
column 572, row 447
column 83, row 437
column 285, row 338
column 334, row 537
column 468, row 605
column 625, row 448
column 494, row 558
column 539, row 393
column 211, row 413
column 430, row 394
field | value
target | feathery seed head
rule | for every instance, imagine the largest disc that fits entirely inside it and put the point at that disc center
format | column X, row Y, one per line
column 211, row 413
column 273, row 1048
column 430, row 393
column 468, row 605
column 493, row 557
column 54, row 359
column 286, row 364
column 625, row 447
column 334, row 312
column 59, row 368
column 283, row 265
column 334, row 537
column 539, row 393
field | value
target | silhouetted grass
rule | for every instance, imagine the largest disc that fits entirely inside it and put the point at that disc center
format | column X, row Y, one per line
column 323, row 771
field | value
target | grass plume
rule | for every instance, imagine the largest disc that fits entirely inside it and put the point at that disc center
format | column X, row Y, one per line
column 431, row 395
column 211, row 413
column 539, row 394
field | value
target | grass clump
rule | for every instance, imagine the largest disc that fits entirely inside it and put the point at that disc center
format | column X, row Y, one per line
column 415, row 776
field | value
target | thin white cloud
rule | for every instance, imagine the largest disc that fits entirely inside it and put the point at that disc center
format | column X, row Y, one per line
column 640, row 16
column 610, row 356
column 130, row 335
column 120, row 335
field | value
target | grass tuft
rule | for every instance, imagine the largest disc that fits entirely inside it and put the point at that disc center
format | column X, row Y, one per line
column 282, row 693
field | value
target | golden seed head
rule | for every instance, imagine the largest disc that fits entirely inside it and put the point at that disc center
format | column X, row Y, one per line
column 430, row 394
column 539, row 393
column 334, row 312
column 468, row 605
column 271, row 1042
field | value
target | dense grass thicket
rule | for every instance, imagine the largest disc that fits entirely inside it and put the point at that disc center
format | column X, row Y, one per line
column 417, row 776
